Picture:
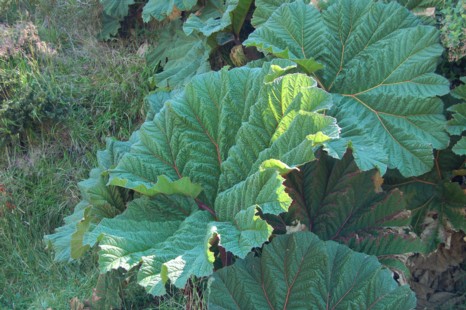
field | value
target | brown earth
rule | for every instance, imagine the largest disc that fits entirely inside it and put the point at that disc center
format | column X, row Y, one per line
column 439, row 278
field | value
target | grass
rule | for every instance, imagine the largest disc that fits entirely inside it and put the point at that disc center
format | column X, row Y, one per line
column 101, row 86
column 39, row 187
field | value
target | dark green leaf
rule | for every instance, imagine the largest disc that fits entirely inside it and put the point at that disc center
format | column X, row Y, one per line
column 299, row 271
column 337, row 201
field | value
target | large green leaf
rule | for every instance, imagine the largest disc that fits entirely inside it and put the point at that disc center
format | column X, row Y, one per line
column 233, row 135
column 98, row 201
column 337, row 201
column 165, row 146
column 278, row 125
column 379, row 59
column 437, row 203
column 299, row 271
column 160, row 9
column 293, row 37
column 181, row 57
column 166, row 235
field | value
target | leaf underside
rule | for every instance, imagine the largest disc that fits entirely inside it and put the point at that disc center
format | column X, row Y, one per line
column 337, row 201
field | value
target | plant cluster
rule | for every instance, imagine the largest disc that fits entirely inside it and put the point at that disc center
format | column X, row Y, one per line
column 338, row 135
column 28, row 96
column 40, row 86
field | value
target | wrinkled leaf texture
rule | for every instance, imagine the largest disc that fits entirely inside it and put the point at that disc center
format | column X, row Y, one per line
column 234, row 136
column 379, row 61
column 299, row 271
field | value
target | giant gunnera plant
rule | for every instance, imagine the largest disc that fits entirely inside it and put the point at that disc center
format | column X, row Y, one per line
column 297, row 141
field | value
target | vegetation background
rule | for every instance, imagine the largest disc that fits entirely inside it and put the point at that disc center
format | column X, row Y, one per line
column 62, row 93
